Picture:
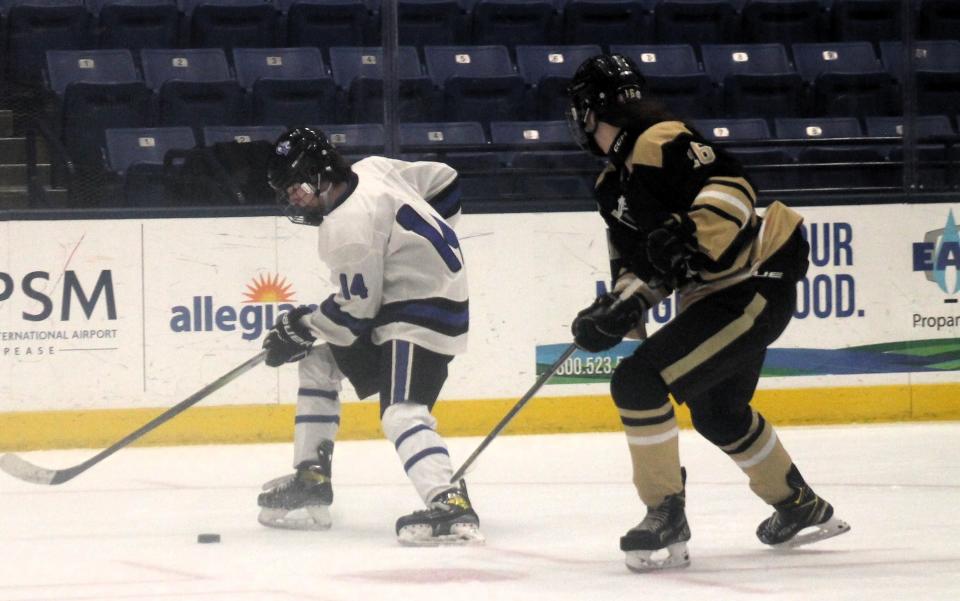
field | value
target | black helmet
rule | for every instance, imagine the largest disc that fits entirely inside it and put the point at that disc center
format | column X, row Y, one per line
column 304, row 155
column 601, row 85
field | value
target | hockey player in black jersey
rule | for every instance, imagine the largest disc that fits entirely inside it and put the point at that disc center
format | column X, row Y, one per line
column 680, row 216
column 397, row 318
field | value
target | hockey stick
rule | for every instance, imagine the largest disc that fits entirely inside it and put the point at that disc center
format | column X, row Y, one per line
column 627, row 292
column 24, row 470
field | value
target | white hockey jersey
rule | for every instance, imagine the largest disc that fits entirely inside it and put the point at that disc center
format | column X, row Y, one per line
column 394, row 258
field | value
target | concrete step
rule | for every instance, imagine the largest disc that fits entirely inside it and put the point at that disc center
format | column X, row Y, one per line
column 14, row 150
column 6, row 123
column 16, row 197
column 16, row 174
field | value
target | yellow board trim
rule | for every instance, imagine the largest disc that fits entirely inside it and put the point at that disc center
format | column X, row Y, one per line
column 24, row 431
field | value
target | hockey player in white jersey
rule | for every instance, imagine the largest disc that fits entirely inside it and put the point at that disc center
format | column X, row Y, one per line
column 397, row 318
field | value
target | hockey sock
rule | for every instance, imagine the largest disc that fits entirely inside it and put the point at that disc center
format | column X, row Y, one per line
column 652, row 436
column 763, row 459
column 318, row 404
column 412, row 430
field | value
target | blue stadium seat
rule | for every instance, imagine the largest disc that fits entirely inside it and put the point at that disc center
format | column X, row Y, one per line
column 655, row 60
column 605, row 21
column 847, row 79
column 545, row 164
column 547, row 71
column 733, row 130
column 194, row 87
column 137, row 154
column 440, row 136
column 817, row 128
column 252, row 64
column 512, row 22
column 136, row 25
column 286, row 85
column 478, row 82
column 96, row 89
column 755, row 158
column 838, row 165
column 89, row 66
column 941, row 55
column 34, row 27
column 532, row 133
column 231, row 23
column 757, row 79
column 866, row 20
column 326, row 23
column 673, row 75
column 934, row 168
column 430, row 22
column 938, row 19
column 356, row 138
column 186, row 64
column 783, row 21
column 696, row 22
column 936, row 72
column 241, row 133
column 359, row 73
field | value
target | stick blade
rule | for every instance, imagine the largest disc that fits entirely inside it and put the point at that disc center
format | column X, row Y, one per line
column 20, row 468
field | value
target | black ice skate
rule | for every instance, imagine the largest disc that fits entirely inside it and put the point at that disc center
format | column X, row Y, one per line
column 801, row 519
column 448, row 520
column 659, row 542
column 300, row 501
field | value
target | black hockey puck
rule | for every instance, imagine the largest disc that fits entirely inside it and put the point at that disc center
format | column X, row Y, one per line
column 208, row 538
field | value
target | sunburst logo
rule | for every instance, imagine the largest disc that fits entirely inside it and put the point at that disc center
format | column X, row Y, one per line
column 269, row 289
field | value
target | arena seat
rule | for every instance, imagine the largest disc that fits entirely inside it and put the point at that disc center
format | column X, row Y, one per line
column 358, row 72
column 847, row 79
column 673, row 74
column 478, row 83
column 512, row 22
column 32, row 28
column 231, row 23
column 286, row 85
column 134, row 25
column 696, row 22
column 547, row 70
column 757, row 80
column 783, row 21
column 605, row 22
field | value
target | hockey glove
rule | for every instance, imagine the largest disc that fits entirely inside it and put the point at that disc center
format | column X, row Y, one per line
column 603, row 324
column 670, row 249
column 289, row 340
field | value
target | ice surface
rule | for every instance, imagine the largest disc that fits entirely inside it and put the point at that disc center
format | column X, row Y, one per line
column 552, row 509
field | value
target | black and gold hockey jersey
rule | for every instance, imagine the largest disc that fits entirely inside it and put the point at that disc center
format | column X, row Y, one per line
column 666, row 168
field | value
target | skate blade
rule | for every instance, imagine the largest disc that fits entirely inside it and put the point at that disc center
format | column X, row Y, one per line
column 674, row 556
column 829, row 529
column 421, row 535
column 312, row 517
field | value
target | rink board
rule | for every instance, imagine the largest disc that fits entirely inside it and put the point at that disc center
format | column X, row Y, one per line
column 105, row 323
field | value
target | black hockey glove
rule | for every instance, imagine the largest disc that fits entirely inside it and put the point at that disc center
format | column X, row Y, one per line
column 603, row 324
column 288, row 341
column 670, row 249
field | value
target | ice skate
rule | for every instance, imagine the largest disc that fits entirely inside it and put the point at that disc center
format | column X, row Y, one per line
column 448, row 520
column 659, row 542
column 300, row 501
column 801, row 519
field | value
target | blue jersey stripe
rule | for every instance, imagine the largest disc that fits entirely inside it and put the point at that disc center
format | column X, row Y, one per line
column 334, row 313
column 447, row 201
column 442, row 315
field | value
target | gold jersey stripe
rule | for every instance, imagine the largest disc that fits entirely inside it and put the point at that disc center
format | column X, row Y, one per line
column 716, row 343
column 739, row 183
